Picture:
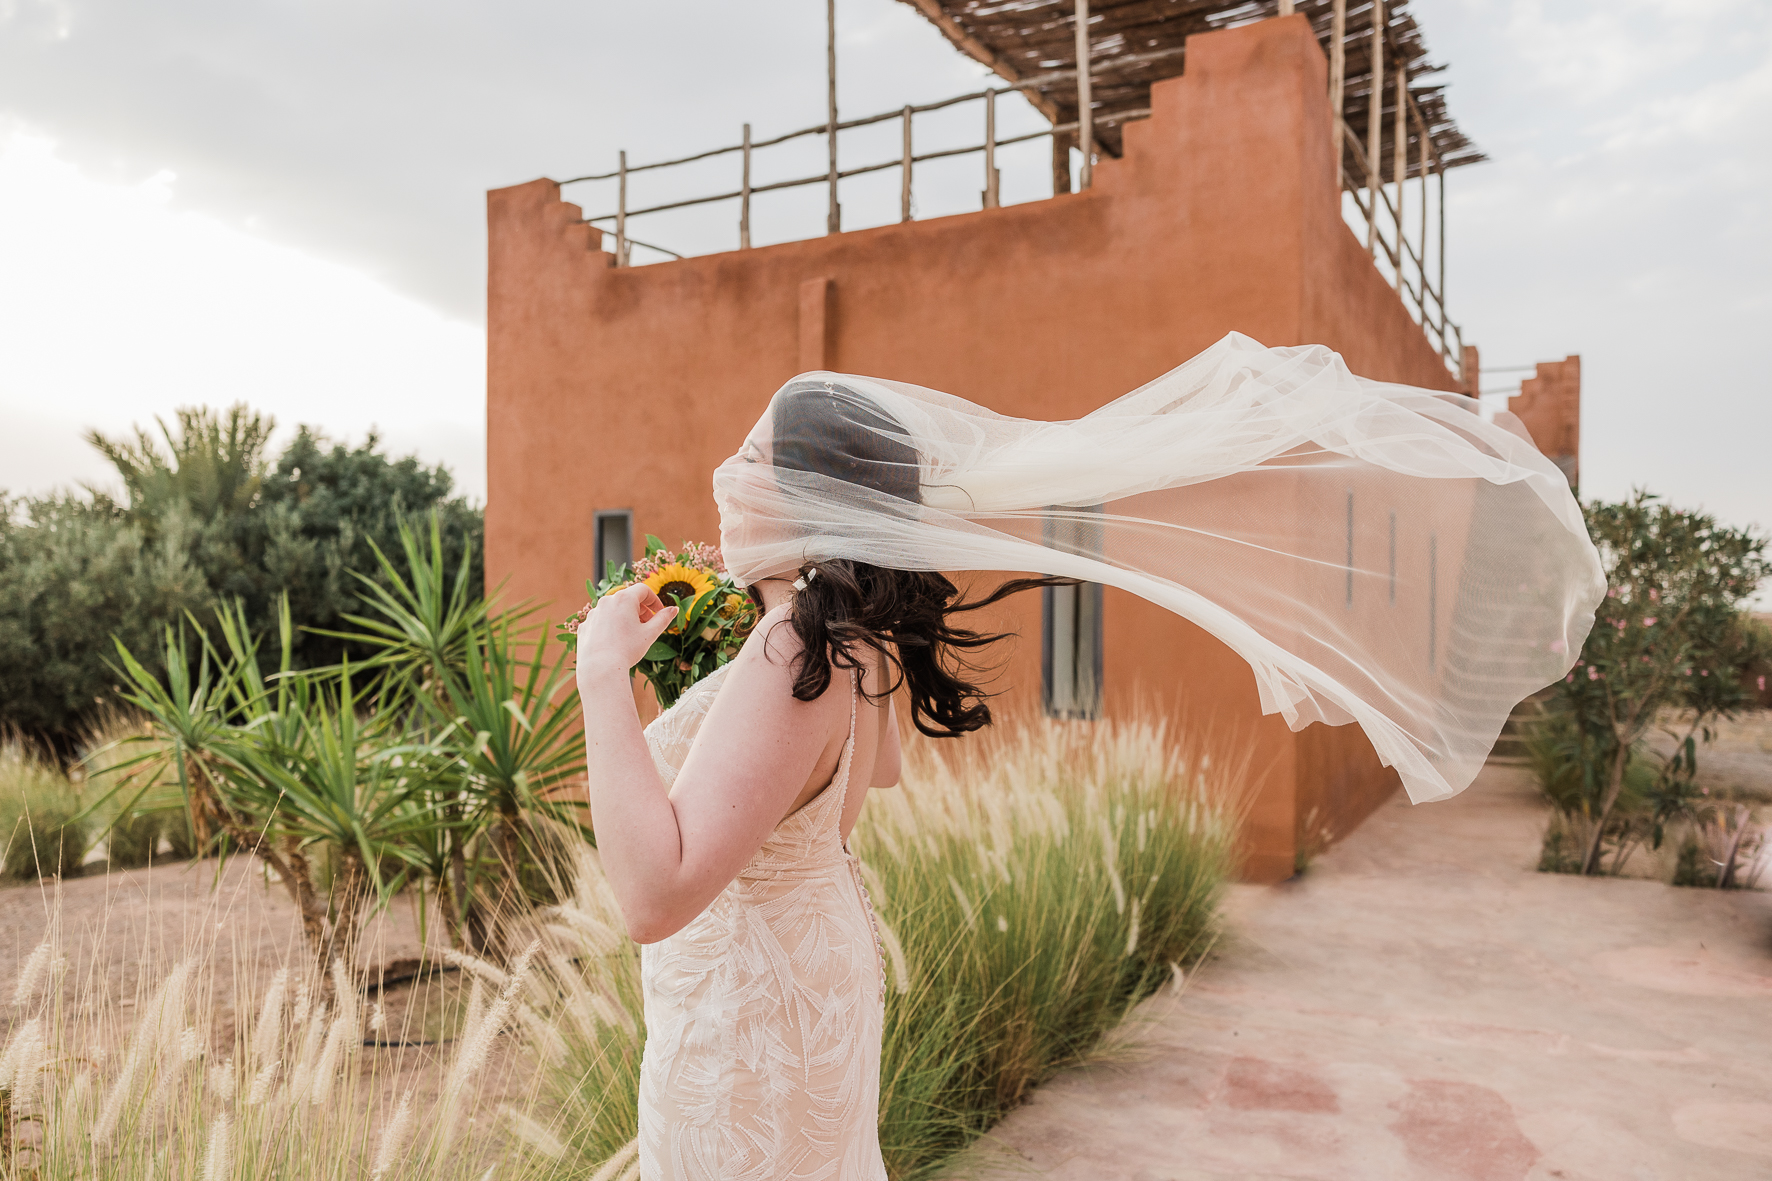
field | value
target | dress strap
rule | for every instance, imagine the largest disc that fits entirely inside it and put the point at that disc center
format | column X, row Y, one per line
column 846, row 760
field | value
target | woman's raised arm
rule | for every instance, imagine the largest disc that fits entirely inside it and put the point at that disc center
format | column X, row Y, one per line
column 668, row 854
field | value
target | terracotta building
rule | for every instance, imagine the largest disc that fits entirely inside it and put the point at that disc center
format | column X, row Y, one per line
column 614, row 390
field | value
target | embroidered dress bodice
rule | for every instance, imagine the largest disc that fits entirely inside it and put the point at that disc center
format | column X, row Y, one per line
column 764, row 1014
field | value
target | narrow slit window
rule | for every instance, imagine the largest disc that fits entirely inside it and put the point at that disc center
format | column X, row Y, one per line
column 614, row 539
column 1433, row 600
column 1393, row 558
column 1070, row 624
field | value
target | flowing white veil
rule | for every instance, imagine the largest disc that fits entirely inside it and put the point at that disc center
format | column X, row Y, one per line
column 1378, row 553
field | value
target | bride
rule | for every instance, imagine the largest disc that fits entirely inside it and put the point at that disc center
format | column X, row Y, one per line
column 1215, row 491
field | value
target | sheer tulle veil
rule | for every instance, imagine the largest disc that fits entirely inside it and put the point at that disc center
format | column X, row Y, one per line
column 1379, row 554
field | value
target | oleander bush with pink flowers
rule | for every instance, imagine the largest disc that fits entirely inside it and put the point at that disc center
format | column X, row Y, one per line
column 1671, row 647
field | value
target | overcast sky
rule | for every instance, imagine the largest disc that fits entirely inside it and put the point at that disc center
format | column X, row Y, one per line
column 217, row 200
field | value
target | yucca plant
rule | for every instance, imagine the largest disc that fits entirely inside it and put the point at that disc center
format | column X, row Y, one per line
column 353, row 789
column 282, row 767
column 509, row 733
column 507, row 727
column 423, row 621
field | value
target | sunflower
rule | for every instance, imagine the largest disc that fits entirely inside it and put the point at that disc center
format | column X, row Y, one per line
column 688, row 583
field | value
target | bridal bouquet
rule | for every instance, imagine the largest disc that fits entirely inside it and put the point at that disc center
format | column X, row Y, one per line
column 713, row 615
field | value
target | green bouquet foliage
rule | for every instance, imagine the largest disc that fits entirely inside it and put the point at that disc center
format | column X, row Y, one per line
column 714, row 615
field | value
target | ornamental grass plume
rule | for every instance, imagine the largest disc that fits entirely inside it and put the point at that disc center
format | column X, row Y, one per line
column 21, row 1066
column 301, row 1076
column 476, row 1038
column 477, row 966
column 158, row 1026
column 393, row 1139
column 620, row 1164
column 222, row 1081
column 267, row 1033
column 341, row 1036
column 129, row 1089
column 218, row 1158
column 532, row 1133
column 38, row 967
column 262, row 1082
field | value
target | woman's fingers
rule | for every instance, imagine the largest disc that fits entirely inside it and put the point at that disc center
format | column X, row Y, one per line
column 650, row 603
column 655, row 626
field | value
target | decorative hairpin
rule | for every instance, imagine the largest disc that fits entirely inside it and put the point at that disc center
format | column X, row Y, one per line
column 800, row 582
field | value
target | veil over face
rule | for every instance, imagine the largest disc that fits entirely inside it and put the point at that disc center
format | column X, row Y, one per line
column 1377, row 553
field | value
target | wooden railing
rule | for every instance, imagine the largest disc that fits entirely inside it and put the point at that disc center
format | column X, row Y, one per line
column 1404, row 258
column 906, row 161
column 1420, row 282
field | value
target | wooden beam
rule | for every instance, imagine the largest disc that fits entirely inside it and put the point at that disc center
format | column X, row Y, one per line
column 978, row 51
column 1374, row 124
column 1400, row 169
column 904, row 191
column 834, row 217
column 1338, row 88
column 1085, row 100
column 744, row 201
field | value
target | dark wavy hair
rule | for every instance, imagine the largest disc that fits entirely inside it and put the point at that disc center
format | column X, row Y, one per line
column 847, row 607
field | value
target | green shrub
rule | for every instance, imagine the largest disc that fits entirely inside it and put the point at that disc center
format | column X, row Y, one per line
column 207, row 519
column 44, row 833
column 1670, row 635
column 1553, row 755
column 1031, row 885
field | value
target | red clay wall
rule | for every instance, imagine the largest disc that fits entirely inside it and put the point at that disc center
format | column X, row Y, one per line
column 1549, row 406
column 623, row 388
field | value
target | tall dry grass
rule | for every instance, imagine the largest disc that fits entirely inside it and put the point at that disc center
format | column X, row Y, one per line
column 1032, row 885
column 95, row 1085
column 42, row 830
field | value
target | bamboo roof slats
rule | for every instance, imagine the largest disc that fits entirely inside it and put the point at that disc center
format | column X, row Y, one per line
column 1134, row 43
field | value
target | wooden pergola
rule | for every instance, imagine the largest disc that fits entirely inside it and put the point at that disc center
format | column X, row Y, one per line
column 1133, row 43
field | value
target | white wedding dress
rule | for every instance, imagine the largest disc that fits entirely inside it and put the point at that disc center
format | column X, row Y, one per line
column 763, row 1015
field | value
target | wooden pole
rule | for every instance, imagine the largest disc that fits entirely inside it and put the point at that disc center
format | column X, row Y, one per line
column 904, row 193
column 992, row 179
column 1061, row 162
column 1421, row 166
column 834, row 218
column 621, row 211
column 1374, row 125
column 1085, row 100
column 1400, row 170
column 1338, row 88
column 1440, row 171
column 744, row 200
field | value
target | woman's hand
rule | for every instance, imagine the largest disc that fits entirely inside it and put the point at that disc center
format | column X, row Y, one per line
column 620, row 629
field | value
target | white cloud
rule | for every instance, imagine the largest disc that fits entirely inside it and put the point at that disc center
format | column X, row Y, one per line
column 116, row 306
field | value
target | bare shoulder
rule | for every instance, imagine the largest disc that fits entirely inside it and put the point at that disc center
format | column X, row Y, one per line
column 774, row 641
column 770, row 660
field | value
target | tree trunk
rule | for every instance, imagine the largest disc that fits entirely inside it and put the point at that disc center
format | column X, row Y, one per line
column 472, row 938
column 349, row 891
column 1726, row 873
column 1591, row 863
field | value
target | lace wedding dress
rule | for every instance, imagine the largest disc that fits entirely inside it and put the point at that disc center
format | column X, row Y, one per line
column 763, row 1015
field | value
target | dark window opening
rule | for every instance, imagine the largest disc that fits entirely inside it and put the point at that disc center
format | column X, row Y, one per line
column 614, row 539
